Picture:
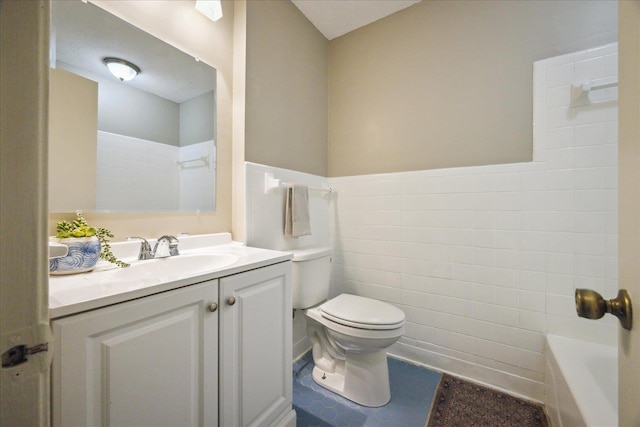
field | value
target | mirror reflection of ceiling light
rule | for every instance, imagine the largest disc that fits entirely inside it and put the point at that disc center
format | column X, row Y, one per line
column 212, row 9
column 121, row 69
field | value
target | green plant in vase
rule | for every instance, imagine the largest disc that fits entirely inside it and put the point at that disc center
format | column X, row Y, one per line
column 84, row 246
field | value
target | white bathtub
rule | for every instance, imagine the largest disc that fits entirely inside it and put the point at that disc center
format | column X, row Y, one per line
column 581, row 383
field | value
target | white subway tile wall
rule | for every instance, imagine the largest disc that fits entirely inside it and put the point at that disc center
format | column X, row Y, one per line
column 264, row 213
column 136, row 175
column 484, row 260
column 197, row 179
column 264, row 220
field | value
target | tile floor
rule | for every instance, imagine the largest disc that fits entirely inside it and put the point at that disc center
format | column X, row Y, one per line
column 412, row 390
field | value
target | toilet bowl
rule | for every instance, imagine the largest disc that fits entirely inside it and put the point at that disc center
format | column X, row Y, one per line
column 349, row 334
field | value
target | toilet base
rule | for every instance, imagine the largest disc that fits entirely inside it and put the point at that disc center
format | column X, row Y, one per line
column 364, row 379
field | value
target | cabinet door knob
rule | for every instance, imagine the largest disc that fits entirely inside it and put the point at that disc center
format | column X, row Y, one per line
column 231, row 300
column 213, row 307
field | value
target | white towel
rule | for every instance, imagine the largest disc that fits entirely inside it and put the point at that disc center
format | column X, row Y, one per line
column 296, row 213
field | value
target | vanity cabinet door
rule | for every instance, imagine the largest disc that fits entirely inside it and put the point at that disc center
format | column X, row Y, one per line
column 147, row 362
column 255, row 347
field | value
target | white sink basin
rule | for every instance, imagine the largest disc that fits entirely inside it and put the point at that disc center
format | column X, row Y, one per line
column 140, row 274
column 187, row 264
column 162, row 269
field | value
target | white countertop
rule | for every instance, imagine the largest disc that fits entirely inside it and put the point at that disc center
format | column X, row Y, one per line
column 75, row 293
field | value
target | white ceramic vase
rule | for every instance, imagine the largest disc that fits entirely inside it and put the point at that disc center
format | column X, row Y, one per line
column 83, row 255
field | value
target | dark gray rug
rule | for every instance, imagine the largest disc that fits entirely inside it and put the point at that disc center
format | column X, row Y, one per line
column 460, row 403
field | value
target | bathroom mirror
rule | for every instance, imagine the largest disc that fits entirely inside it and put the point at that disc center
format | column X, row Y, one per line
column 143, row 145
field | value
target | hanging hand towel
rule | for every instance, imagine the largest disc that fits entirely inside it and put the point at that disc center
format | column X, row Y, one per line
column 296, row 215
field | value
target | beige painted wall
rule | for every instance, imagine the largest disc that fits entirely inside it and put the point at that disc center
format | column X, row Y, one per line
column 629, row 205
column 449, row 83
column 286, row 89
column 399, row 97
column 73, row 139
column 239, row 101
column 179, row 24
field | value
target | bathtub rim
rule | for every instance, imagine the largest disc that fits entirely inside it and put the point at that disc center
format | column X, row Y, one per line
column 584, row 388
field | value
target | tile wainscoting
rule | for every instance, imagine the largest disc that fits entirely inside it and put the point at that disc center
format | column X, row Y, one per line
column 483, row 260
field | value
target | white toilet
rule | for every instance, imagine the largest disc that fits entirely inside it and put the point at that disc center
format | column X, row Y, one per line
column 349, row 334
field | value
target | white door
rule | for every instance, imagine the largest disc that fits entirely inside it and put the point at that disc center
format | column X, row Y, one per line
column 629, row 206
column 255, row 347
column 24, row 59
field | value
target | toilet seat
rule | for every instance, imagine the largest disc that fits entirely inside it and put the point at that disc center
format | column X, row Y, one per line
column 362, row 313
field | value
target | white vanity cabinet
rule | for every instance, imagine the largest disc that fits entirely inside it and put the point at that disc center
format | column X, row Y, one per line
column 191, row 356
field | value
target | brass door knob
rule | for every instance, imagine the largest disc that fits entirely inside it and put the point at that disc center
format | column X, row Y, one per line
column 213, row 307
column 231, row 300
column 591, row 305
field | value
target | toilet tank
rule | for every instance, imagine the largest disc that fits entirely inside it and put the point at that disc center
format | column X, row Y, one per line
column 311, row 275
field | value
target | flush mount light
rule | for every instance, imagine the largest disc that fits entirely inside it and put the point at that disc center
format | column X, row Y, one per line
column 121, row 69
column 212, row 9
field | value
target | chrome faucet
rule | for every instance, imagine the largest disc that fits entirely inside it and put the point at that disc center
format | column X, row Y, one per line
column 172, row 241
column 145, row 248
column 147, row 253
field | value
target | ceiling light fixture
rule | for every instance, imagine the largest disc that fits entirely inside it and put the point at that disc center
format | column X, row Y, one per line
column 121, row 69
column 212, row 9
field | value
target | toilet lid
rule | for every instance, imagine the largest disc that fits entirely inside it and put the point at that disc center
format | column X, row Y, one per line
column 361, row 312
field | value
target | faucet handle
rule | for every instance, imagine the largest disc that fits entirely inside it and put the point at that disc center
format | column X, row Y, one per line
column 145, row 248
column 172, row 241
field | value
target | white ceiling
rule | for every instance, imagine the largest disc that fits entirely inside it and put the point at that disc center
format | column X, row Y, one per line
column 83, row 34
column 334, row 18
